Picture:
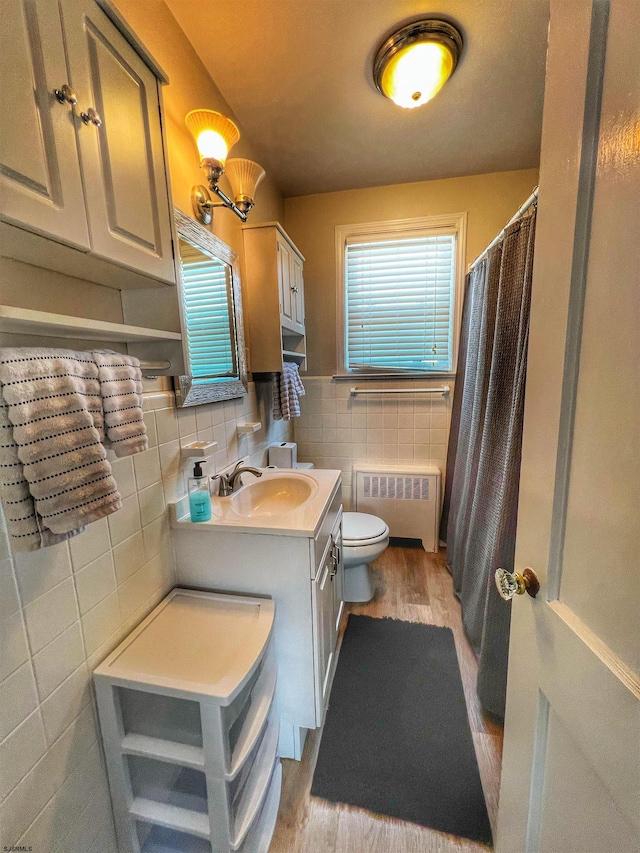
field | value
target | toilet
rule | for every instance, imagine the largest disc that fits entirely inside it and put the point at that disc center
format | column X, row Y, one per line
column 364, row 537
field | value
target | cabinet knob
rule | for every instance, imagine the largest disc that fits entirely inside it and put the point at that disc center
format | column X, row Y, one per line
column 91, row 117
column 66, row 95
column 294, row 289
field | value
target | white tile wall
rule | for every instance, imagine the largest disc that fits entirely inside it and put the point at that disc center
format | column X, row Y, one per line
column 335, row 430
column 63, row 609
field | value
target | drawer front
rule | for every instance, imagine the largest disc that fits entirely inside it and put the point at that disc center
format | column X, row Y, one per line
column 329, row 523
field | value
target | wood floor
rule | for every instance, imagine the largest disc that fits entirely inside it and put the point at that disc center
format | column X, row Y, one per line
column 414, row 586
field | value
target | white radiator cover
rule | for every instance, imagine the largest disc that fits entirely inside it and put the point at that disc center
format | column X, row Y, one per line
column 406, row 497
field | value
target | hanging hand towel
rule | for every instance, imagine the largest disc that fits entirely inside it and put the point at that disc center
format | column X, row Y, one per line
column 121, row 391
column 52, row 446
column 24, row 526
column 287, row 390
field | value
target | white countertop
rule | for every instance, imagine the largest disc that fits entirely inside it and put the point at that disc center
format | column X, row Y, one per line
column 301, row 521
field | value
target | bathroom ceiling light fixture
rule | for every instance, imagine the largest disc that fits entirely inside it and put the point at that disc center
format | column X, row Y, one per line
column 215, row 135
column 414, row 63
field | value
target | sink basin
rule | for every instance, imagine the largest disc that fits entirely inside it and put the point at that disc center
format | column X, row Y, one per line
column 272, row 496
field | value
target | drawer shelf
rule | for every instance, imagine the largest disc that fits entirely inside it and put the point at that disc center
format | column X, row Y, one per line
column 172, row 817
column 256, row 788
column 164, row 750
column 259, row 837
column 261, row 701
column 186, row 705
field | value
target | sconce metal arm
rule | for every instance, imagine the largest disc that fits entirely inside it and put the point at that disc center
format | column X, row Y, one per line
column 226, row 202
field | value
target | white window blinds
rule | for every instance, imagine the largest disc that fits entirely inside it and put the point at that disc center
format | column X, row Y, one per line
column 208, row 314
column 400, row 302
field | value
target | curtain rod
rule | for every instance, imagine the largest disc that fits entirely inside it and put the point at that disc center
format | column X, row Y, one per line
column 531, row 200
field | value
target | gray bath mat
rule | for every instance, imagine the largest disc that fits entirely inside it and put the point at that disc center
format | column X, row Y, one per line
column 396, row 739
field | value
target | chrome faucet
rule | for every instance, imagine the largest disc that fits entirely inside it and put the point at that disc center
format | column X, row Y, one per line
column 228, row 481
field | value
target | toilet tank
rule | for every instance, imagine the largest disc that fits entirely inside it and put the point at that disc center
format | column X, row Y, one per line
column 407, row 498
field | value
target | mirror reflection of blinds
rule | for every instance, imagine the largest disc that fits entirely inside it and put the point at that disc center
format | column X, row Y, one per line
column 208, row 316
column 399, row 302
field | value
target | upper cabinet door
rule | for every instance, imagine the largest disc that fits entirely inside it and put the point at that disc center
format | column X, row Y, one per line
column 120, row 144
column 297, row 291
column 40, row 178
column 285, row 283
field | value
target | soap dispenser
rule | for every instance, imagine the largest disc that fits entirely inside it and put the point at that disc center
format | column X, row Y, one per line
column 199, row 496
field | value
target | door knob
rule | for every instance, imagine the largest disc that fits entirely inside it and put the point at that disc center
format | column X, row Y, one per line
column 514, row 583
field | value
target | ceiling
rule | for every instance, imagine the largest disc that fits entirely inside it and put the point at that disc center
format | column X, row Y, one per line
column 297, row 74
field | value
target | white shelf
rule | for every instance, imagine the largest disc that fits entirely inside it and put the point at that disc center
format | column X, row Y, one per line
column 24, row 321
column 173, row 817
column 164, row 750
column 286, row 353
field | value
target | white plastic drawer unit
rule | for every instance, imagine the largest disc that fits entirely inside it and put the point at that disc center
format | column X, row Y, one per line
column 189, row 727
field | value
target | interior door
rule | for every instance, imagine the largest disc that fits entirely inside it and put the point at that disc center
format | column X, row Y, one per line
column 40, row 180
column 122, row 156
column 571, row 771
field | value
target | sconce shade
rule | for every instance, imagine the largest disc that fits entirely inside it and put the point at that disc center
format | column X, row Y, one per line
column 416, row 61
column 244, row 177
column 214, row 134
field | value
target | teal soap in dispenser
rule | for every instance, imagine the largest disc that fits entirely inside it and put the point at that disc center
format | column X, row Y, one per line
column 199, row 496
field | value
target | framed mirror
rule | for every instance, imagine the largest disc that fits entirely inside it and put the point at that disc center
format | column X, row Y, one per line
column 210, row 299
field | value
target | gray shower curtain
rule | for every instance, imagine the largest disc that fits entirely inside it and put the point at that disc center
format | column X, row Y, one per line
column 483, row 461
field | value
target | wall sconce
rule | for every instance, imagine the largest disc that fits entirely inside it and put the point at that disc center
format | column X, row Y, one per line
column 414, row 63
column 215, row 135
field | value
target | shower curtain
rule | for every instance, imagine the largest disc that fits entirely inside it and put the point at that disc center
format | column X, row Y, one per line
column 483, row 462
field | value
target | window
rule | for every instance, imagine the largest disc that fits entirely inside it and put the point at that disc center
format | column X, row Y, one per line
column 400, row 295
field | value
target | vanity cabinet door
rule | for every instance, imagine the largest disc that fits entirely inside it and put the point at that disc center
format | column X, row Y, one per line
column 337, row 582
column 285, row 292
column 297, row 293
column 40, row 178
column 121, row 146
column 324, row 631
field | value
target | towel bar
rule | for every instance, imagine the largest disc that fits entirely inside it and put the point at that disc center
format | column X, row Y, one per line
column 444, row 391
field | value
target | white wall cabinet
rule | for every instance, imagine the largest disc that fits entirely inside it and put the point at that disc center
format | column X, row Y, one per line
column 88, row 172
column 274, row 287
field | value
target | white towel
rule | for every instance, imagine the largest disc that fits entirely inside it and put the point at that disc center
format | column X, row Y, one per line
column 287, row 390
column 56, row 405
column 121, row 391
column 53, row 404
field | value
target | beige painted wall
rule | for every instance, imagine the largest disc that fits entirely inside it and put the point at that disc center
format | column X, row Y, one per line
column 190, row 87
column 490, row 201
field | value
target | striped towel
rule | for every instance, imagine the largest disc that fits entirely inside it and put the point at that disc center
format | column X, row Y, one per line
column 121, row 391
column 54, row 474
column 287, row 389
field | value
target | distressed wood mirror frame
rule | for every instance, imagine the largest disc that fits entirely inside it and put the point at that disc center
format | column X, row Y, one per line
column 187, row 392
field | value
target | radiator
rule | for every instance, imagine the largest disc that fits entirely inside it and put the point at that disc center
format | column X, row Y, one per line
column 407, row 498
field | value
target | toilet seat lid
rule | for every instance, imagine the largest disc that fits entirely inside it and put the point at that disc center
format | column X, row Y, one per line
column 359, row 526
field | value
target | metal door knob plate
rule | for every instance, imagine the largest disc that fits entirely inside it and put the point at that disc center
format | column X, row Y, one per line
column 91, row 117
column 514, row 583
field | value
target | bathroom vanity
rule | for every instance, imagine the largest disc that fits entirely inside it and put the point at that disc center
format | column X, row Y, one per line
column 278, row 536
